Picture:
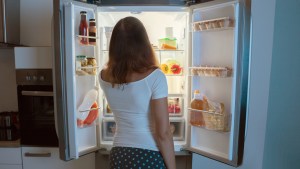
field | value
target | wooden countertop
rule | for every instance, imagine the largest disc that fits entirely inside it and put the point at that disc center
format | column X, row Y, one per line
column 15, row 143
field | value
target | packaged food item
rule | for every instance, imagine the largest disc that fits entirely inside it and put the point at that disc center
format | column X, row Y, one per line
column 167, row 43
column 92, row 32
column 173, row 106
column 198, row 104
column 81, row 61
column 88, row 101
column 91, row 66
column 83, row 28
column 93, row 114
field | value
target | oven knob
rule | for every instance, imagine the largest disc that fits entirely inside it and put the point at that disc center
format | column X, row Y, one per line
column 42, row 78
column 34, row 78
column 27, row 78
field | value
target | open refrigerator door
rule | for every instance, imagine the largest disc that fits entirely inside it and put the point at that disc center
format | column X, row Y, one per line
column 81, row 88
column 217, row 71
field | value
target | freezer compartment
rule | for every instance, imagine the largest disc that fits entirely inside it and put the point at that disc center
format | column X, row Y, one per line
column 108, row 129
column 177, row 129
column 209, row 120
column 175, row 106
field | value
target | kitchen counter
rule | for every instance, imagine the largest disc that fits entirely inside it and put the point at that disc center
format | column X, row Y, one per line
column 15, row 143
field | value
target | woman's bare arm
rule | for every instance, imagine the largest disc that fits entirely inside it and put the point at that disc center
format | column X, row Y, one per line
column 164, row 137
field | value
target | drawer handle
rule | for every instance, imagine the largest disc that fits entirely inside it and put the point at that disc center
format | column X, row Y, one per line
column 37, row 154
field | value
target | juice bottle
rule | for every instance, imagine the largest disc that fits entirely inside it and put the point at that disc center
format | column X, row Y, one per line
column 199, row 102
column 83, row 28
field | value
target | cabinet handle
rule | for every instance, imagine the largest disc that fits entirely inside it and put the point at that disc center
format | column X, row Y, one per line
column 27, row 154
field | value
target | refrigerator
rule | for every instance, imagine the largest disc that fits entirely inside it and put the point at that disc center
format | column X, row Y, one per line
column 199, row 47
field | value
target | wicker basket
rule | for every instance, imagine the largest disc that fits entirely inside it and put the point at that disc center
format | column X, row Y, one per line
column 217, row 122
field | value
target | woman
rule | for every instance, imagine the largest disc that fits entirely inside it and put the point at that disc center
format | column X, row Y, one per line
column 136, row 91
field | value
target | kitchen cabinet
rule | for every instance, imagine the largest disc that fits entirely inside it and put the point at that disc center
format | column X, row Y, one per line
column 10, row 158
column 33, row 57
column 48, row 158
column 35, row 22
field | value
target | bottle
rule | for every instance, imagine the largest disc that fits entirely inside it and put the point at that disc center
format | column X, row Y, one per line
column 83, row 28
column 199, row 102
column 92, row 32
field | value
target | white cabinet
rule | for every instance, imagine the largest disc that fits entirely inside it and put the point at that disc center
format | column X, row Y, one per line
column 10, row 158
column 48, row 158
column 35, row 22
column 33, row 57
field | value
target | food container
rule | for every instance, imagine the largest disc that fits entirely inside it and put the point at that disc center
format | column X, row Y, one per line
column 216, row 121
column 167, row 43
column 174, row 106
column 91, row 66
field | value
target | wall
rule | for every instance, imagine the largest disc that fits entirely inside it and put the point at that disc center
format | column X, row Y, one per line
column 8, row 87
column 282, row 144
column 260, row 65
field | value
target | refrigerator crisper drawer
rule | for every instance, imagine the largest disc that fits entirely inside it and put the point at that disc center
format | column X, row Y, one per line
column 142, row 2
column 177, row 129
column 108, row 129
column 175, row 106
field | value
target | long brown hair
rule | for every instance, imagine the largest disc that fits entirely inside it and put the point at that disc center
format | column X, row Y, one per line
column 129, row 51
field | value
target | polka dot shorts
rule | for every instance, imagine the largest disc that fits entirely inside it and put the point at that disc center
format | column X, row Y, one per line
column 135, row 158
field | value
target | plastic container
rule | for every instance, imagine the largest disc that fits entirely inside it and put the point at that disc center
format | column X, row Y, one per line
column 167, row 43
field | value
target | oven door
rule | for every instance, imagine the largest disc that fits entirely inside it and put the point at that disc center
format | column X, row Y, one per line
column 36, row 109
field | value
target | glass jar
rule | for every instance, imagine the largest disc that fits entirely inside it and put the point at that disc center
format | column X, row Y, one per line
column 92, row 66
column 92, row 32
column 83, row 28
column 81, row 62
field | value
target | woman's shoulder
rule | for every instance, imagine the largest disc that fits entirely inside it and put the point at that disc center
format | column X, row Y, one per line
column 156, row 74
column 104, row 75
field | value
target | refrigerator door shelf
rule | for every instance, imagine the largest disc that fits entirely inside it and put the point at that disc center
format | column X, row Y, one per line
column 211, row 71
column 177, row 127
column 175, row 106
column 216, row 24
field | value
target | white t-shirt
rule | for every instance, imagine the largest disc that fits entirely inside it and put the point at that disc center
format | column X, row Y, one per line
column 130, row 104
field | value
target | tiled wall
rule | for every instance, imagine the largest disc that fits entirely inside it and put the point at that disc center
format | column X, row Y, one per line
column 8, row 87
